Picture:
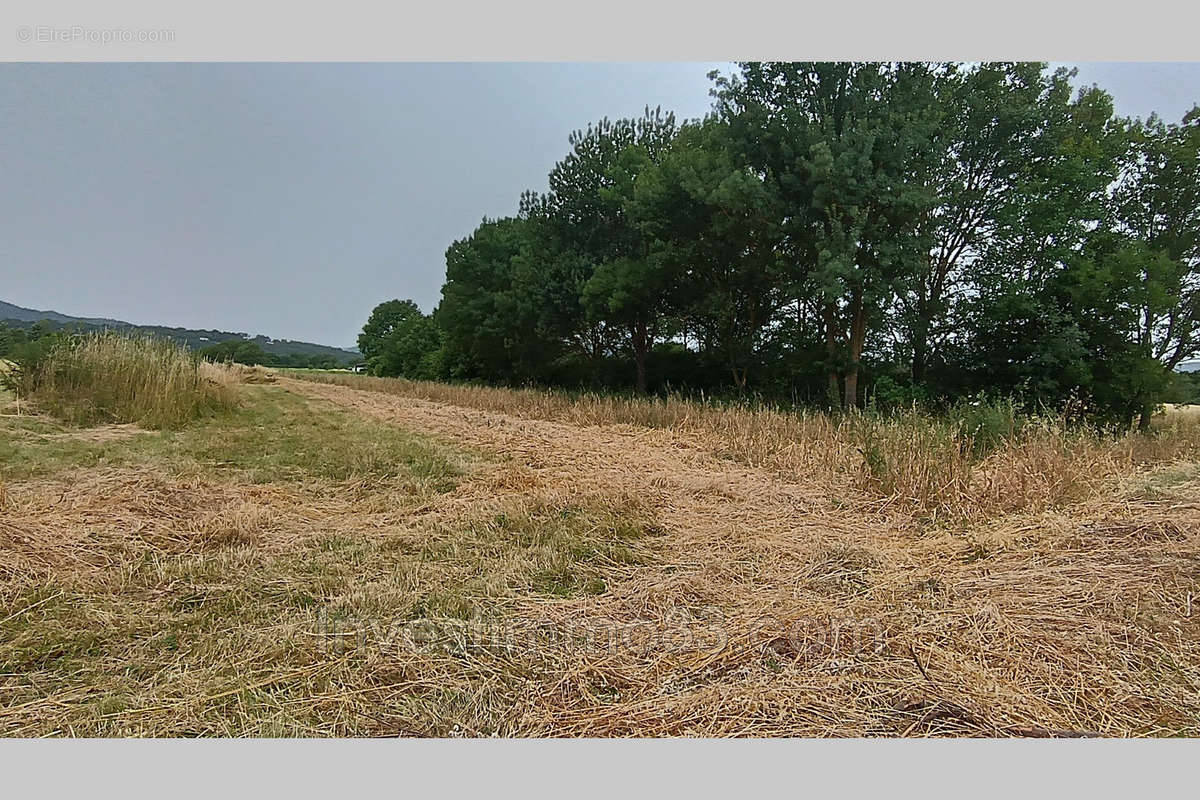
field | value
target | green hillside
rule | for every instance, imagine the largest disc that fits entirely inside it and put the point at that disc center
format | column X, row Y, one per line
column 284, row 352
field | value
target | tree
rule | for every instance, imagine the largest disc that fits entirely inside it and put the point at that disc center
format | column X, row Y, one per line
column 11, row 339
column 993, row 124
column 1022, row 331
column 840, row 141
column 1156, row 246
column 487, row 315
column 412, row 350
column 585, row 223
column 714, row 233
column 1109, row 291
column 236, row 350
column 385, row 319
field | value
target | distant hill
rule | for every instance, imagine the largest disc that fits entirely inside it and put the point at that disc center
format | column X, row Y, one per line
column 11, row 313
column 16, row 316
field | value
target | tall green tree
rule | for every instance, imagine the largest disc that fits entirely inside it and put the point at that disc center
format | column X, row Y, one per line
column 713, row 227
column 386, row 318
column 585, row 223
column 840, row 141
column 1156, row 220
column 1020, row 332
column 412, row 350
column 488, row 316
column 993, row 122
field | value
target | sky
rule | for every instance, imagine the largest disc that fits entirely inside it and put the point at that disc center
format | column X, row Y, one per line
column 290, row 199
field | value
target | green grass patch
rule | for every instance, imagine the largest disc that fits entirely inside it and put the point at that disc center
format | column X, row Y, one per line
column 1163, row 482
column 272, row 436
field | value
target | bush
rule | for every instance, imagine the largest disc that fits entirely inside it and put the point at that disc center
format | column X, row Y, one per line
column 888, row 394
column 986, row 424
column 110, row 377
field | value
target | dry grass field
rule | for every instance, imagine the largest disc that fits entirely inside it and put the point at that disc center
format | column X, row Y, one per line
column 363, row 557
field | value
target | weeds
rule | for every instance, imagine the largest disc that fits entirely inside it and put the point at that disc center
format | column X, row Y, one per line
column 113, row 378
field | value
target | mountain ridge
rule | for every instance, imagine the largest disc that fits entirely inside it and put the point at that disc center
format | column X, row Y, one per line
column 194, row 338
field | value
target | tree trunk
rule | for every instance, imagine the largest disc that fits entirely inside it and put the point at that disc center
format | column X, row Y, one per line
column 920, row 343
column 919, row 357
column 739, row 377
column 640, row 341
column 858, row 335
column 1147, row 411
column 851, row 398
column 831, row 354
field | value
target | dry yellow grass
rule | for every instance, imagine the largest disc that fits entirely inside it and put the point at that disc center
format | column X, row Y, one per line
column 912, row 461
column 601, row 578
column 111, row 377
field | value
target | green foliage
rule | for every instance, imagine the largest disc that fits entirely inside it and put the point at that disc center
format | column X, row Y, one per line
column 897, row 234
column 249, row 352
column 381, row 327
column 412, row 350
column 239, row 352
column 890, row 394
column 26, row 350
column 1183, row 388
column 488, row 314
column 987, row 423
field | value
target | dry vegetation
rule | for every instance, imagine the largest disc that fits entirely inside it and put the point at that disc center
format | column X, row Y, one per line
column 433, row 560
column 108, row 377
column 964, row 468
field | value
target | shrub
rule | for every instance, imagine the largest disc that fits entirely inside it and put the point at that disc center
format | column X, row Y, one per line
column 109, row 377
column 986, row 424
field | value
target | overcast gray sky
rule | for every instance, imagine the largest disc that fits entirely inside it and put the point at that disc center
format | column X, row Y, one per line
column 289, row 199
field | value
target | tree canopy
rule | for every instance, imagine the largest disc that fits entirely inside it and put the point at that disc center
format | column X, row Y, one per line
column 941, row 229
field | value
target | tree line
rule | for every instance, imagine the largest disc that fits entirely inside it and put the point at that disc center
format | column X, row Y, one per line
column 838, row 233
column 250, row 353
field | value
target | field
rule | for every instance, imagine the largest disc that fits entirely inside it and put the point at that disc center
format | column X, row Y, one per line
column 341, row 555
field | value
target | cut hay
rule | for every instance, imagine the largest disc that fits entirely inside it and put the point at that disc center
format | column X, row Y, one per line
column 910, row 460
column 599, row 580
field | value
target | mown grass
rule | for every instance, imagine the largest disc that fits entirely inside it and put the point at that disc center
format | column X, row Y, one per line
column 979, row 460
column 193, row 581
column 115, row 378
column 255, row 574
column 238, row 640
column 272, row 435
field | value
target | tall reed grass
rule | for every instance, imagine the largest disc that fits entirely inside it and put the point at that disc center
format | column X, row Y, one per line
column 116, row 378
column 979, row 459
